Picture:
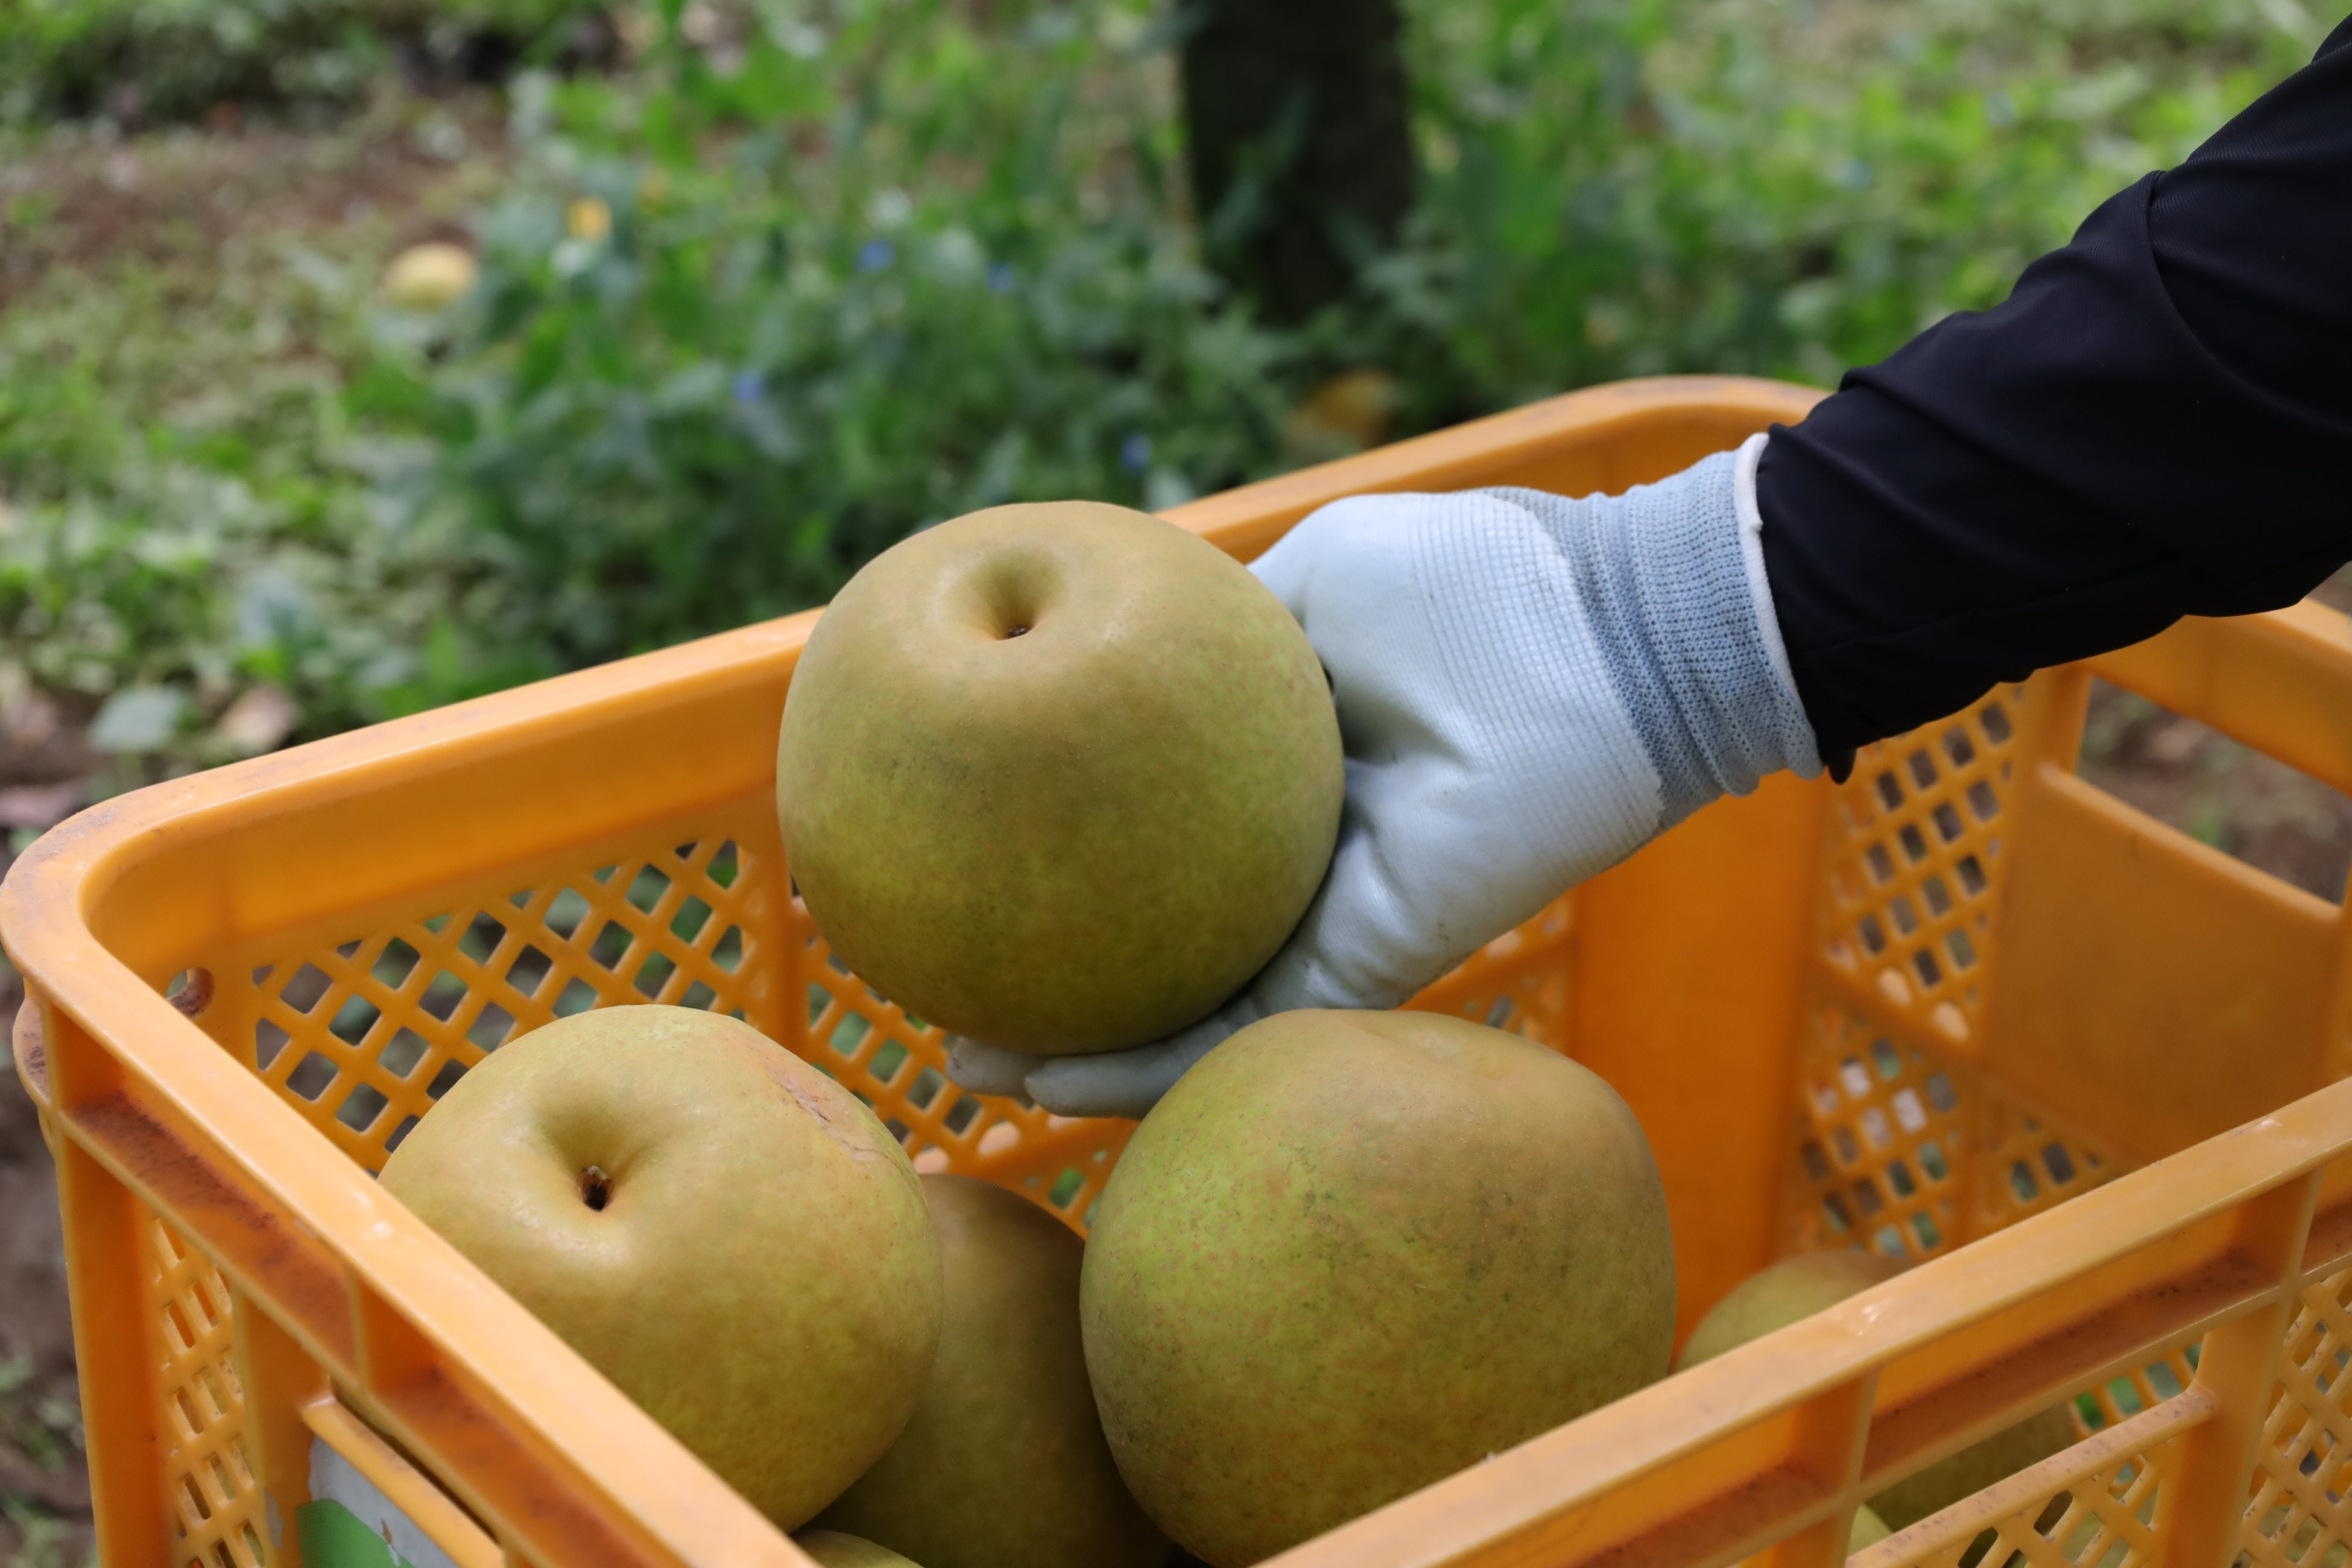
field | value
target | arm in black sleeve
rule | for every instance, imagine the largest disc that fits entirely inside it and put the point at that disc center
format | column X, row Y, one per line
column 2156, row 423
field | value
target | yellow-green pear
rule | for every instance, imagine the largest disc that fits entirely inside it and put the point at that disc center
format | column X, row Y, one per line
column 1797, row 1287
column 832, row 1549
column 1773, row 1297
column 1004, row 1464
column 1975, row 1467
column 1351, row 1253
column 1057, row 777
column 716, row 1226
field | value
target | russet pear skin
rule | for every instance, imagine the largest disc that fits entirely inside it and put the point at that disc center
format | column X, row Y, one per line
column 717, row 1227
column 1795, row 1289
column 1350, row 1254
column 1057, row 777
column 1004, row 1462
column 833, row 1549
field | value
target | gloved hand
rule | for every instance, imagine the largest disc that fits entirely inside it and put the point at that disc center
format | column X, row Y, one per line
column 1530, row 688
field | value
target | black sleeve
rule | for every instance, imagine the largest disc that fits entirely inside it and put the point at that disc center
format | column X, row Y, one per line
column 2156, row 423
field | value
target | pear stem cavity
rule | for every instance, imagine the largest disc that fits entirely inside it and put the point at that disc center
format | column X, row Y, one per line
column 596, row 1187
column 1016, row 632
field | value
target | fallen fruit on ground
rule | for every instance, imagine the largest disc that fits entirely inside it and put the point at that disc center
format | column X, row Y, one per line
column 717, row 1227
column 832, row 1549
column 1057, row 777
column 430, row 277
column 1004, row 1464
column 1797, row 1287
column 1351, row 1253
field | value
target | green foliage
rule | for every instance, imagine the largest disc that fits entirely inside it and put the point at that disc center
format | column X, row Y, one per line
column 171, row 59
column 871, row 265
column 189, row 514
column 814, row 273
column 1779, row 187
column 935, row 274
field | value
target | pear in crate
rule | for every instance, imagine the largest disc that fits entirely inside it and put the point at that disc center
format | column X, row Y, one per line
column 713, row 1224
column 1350, row 1254
column 1773, row 1297
column 832, row 1549
column 1004, row 1464
column 1977, row 1466
column 1057, row 777
column 1797, row 1287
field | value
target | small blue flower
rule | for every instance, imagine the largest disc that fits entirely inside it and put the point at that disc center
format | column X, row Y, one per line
column 1135, row 452
column 875, row 255
column 751, row 387
column 1000, row 277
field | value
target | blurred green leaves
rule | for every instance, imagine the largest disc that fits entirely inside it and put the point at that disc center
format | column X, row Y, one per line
column 810, row 274
column 187, row 511
column 943, row 279
column 1781, row 187
column 163, row 60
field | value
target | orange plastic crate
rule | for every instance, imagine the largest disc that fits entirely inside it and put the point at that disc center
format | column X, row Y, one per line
column 1913, row 1012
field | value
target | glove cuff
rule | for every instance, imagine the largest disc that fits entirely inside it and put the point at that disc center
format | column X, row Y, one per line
column 1751, row 557
column 1672, row 577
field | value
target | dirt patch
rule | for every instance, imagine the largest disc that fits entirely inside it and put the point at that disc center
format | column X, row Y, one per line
column 77, row 200
column 44, row 1486
column 2219, row 791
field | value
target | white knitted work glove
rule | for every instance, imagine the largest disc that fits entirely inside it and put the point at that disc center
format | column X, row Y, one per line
column 1530, row 688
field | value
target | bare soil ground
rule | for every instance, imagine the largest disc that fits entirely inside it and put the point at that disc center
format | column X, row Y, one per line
column 82, row 202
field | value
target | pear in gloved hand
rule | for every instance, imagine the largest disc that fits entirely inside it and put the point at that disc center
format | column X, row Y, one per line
column 1530, row 687
column 1059, row 777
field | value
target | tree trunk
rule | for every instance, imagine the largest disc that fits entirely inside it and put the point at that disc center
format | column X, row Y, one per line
column 1301, row 147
